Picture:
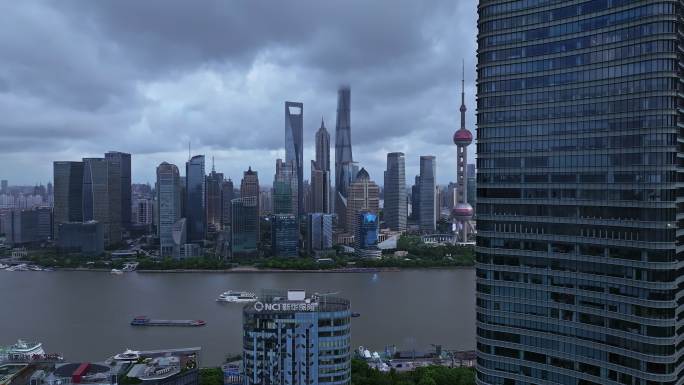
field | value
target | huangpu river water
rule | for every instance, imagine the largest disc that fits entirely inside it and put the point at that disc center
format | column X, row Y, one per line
column 86, row 315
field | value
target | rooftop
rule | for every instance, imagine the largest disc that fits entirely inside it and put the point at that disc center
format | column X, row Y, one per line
column 294, row 301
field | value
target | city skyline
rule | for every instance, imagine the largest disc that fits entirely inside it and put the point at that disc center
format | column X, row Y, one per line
column 152, row 116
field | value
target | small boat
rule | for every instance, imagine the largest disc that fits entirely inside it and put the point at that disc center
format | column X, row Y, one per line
column 147, row 321
column 130, row 266
column 237, row 297
column 355, row 315
column 21, row 267
column 116, row 272
column 128, row 355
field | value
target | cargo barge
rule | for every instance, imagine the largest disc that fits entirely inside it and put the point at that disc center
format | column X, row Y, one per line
column 147, row 321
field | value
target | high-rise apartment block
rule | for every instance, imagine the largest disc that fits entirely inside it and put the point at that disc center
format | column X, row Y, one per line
column 579, row 241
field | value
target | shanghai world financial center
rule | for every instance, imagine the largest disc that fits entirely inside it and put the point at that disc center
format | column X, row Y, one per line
column 580, row 246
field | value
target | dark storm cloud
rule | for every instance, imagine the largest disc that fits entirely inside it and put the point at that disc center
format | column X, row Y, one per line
column 81, row 77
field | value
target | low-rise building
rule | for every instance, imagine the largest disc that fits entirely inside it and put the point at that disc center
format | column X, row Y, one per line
column 81, row 237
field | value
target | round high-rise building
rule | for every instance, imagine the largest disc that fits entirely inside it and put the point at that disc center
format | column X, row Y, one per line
column 462, row 212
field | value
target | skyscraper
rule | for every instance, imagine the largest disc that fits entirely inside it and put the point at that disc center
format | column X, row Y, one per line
column 415, row 200
column 245, row 226
column 168, row 191
column 122, row 196
column 227, row 195
column 294, row 146
column 427, row 207
column 284, row 235
column 249, row 187
column 364, row 195
column 320, row 172
column 343, row 151
column 214, row 199
column 579, row 242
column 319, row 232
column 395, row 192
column 285, row 185
column 96, row 197
column 195, row 199
column 68, row 193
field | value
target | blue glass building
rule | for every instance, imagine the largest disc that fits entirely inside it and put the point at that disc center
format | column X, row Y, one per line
column 319, row 232
column 366, row 237
column 285, row 235
column 290, row 339
column 579, row 244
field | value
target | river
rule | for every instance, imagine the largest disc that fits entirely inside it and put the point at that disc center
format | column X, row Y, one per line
column 86, row 315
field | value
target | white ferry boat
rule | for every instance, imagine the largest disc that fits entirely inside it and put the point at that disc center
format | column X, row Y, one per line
column 23, row 348
column 237, row 296
column 128, row 355
column 116, row 272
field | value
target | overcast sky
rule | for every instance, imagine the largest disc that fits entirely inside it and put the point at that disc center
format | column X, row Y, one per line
column 78, row 78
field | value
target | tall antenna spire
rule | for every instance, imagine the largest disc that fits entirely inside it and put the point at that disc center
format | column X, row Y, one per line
column 463, row 107
column 213, row 169
column 189, row 150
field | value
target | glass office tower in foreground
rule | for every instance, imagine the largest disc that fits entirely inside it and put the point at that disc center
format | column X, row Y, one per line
column 579, row 242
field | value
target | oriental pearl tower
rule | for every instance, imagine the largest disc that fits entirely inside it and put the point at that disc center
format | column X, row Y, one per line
column 462, row 212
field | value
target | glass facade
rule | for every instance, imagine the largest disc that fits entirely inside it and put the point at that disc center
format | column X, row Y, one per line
column 285, row 235
column 245, row 226
column 68, row 193
column 195, row 198
column 168, row 191
column 395, row 192
column 319, row 232
column 297, row 342
column 294, row 144
column 579, row 247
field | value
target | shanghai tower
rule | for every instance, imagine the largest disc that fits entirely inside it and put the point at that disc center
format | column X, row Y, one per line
column 343, row 151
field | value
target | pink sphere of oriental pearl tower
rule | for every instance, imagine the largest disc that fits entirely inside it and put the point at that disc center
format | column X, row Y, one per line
column 462, row 212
